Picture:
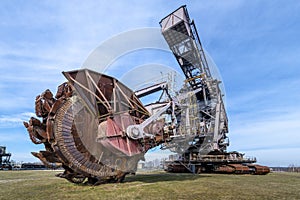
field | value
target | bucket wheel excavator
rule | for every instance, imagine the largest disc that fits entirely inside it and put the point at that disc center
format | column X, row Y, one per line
column 97, row 129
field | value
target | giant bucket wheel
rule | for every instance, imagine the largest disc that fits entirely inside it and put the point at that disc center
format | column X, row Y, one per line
column 84, row 128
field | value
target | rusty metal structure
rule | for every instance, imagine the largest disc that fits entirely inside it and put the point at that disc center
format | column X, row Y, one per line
column 5, row 163
column 97, row 129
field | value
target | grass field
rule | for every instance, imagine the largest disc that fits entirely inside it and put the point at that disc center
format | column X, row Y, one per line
column 154, row 185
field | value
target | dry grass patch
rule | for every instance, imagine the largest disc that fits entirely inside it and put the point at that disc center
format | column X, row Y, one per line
column 154, row 185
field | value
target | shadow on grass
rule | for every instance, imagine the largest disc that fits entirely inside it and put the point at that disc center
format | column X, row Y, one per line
column 159, row 177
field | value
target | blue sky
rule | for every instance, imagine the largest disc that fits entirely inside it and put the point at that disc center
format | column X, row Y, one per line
column 255, row 45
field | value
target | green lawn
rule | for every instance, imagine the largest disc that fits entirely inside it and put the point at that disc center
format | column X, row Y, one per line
column 154, row 185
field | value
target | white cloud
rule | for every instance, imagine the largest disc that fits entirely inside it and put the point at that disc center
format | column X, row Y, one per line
column 264, row 135
column 157, row 154
column 23, row 157
column 277, row 156
column 15, row 120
